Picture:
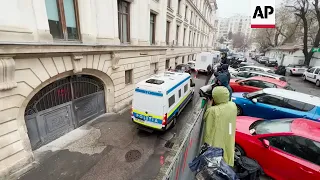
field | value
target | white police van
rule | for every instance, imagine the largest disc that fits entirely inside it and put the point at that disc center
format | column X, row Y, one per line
column 158, row 100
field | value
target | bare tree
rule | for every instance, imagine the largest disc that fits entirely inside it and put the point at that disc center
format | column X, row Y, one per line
column 221, row 40
column 308, row 11
column 230, row 35
column 238, row 40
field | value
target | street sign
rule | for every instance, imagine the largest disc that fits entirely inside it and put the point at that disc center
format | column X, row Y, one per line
column 314, row 49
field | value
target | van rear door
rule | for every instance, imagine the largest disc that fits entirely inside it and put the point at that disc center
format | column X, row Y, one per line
column 148, row 103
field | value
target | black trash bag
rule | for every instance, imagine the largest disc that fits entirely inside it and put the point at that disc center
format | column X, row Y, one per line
column 248, row 169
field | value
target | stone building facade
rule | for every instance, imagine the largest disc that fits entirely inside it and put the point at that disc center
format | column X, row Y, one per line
column 65, row 62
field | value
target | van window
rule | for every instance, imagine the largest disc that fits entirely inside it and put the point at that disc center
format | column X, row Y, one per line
column 171, row 100
column 185, row 88
column 179, row 93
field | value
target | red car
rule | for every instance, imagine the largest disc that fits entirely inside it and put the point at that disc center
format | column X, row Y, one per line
column 285, row 148
column 257, row 83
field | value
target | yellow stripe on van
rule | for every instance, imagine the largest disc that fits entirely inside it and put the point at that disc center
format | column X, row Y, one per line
column 180, row 102
column 145, row 114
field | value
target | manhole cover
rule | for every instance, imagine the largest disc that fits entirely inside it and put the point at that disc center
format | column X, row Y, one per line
column 133, row 155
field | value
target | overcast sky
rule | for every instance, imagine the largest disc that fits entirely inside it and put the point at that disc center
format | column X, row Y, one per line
column 228, row 8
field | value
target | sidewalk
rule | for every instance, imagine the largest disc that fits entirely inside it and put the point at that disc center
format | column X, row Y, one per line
column 100, row 154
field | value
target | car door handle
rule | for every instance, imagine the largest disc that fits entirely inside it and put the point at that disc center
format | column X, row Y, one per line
column 305, row 170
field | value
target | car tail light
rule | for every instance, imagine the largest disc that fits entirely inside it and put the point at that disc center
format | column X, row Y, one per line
column 294, row 69
column 164, row 119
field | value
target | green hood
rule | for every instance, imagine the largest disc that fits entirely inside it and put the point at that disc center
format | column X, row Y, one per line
column 220, row 95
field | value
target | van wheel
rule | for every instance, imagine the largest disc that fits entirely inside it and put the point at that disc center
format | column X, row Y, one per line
column 239, row 111
column 174, row 122
column 318, row 83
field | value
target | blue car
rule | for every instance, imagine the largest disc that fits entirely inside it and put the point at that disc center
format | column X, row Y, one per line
column 273, row 103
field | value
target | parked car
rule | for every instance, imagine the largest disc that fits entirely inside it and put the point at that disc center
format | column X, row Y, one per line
column 248, row 74
column 284, row 148
column 281, row 70
column 263, row 59
column 257, row 83
column 255, row 68
column 192, row 64
column 295, row 69
column 183, row 68
column 312, row 75
column 246, row 64
column 274, row 103
column 271, row 62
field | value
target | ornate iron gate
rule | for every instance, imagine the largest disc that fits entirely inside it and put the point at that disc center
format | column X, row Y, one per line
column 63, row 106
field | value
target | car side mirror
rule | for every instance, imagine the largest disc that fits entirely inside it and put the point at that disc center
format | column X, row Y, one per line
column 192, row 85
column 254, row 100
column 266, row 143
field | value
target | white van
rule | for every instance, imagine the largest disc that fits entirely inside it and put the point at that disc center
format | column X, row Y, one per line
column 158, row 100
column 204, row 59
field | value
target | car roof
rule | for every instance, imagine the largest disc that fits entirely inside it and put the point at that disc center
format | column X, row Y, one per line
column 270, row 80
column 314, row 100
column 306, row 128
column 170, row 79
column 263, row 73
column 257, row 67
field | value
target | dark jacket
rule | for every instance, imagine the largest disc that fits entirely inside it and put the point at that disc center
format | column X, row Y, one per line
column 226, row 71
column 225, row 60
column 223, row 78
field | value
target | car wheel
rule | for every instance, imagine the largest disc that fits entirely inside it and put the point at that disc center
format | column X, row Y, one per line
column 239, row 111
column 304, row 78
column 291, row 73
column 238, row 151
column 318, row 83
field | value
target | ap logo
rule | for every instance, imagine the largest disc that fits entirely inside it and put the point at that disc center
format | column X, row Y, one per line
column 263, row 14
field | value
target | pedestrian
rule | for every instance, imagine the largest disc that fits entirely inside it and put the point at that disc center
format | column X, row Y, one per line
column 169, row 68
column 222, row 80
column 209, row 73
column 224, row 59
column 220, row 122
column 224, row 69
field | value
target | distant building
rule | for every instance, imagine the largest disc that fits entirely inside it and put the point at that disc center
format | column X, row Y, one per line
column 234, row 24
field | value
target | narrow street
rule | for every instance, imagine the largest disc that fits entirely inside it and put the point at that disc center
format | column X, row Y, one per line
column 103, row 154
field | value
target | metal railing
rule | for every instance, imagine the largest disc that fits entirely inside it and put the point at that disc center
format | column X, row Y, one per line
column 177, row 167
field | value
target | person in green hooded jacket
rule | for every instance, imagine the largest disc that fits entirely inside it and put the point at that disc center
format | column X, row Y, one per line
column 220, row 123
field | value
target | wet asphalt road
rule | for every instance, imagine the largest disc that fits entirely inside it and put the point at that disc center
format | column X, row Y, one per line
column 296, row 82
column 103, row 153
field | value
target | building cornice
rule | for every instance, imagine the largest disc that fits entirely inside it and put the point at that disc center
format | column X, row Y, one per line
column 69, row 49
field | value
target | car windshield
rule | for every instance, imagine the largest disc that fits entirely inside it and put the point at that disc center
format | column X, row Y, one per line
column 253, row 94
column 299, row 66
column 180, row 68
column 270, row 126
